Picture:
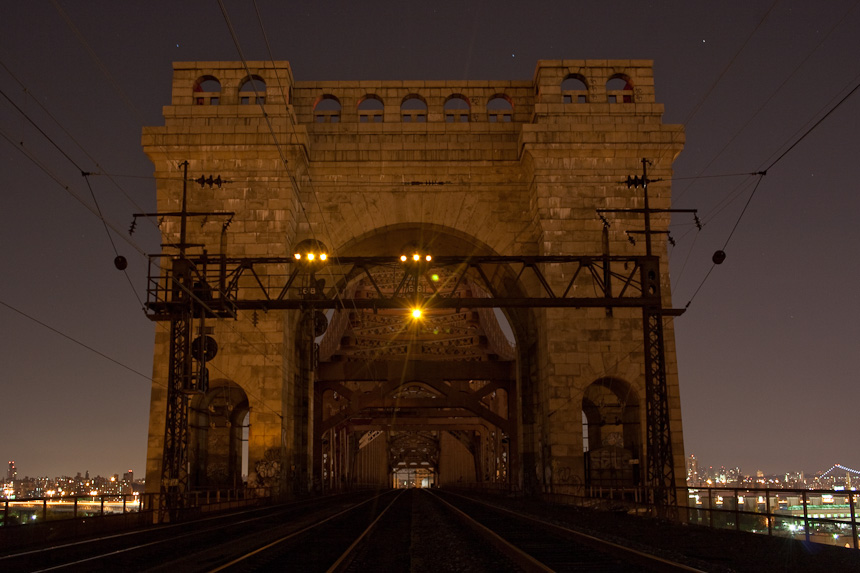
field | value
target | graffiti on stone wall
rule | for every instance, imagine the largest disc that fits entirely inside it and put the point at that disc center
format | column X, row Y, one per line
column 267, row 470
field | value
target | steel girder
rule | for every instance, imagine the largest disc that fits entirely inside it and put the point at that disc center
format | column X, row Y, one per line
column 220, row 286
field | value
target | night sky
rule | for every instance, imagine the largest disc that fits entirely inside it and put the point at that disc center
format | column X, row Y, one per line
column 767, row 351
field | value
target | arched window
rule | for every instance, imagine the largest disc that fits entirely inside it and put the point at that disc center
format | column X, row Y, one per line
column 574, row 89
column 619, row 89
column 413, row 109
column 327, row 109
column 207, row 91
column 370, row 109
column 500, row 109
column 253, row 91
column 457, row 109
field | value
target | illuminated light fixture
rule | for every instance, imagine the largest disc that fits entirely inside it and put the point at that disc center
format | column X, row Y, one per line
column 416, row 313
column 428, row 258
column 434, row 277
column 416, row 257
column 310, row 256
column 402, row 258
column 298, row 256
column 323, row 256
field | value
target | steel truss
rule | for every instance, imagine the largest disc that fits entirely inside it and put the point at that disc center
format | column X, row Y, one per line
column 220, row 286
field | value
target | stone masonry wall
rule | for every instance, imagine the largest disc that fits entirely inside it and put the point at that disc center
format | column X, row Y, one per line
column 500, row 167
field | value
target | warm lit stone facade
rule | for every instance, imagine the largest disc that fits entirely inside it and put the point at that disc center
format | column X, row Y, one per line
column 491, row 167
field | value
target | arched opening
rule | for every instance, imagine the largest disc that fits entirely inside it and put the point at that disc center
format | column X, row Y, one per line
column 207, row 91
column 253, row 91
column 457, row 109
column 500, row 109
column 219, row 436
column 574, row 89
column 413, row 109
column 370, row 109
column 327, row 109
column 450, row 376
column 619, row 89
column 611, row 429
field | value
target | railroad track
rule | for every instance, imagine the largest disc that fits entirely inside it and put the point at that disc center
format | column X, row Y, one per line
column 397, row 530
column 420, row 531
column 198, row 545
column 538, row 545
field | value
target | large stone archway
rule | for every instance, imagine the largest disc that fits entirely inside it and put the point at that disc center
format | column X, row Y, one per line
column 521, row 181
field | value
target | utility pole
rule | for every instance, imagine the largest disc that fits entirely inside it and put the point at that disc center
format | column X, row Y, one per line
column 660, row 466
column 183, row 378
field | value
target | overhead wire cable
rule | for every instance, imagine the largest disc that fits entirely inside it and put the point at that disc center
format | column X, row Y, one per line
column 698, row 106
column 732, row 195
column 97, row 210
column 80, row 146
column 83, row 172
column 815, row 125
column 73, row 339
column 69, row 190
column 776, row 91
column 293, row 182
column 765, row 171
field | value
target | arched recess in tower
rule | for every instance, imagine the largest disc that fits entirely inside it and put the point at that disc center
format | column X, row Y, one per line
column 612, row 444
column 436, row 399
column 217, row 424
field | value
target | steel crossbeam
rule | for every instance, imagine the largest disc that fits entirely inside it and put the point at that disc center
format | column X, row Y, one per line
column 225, row 285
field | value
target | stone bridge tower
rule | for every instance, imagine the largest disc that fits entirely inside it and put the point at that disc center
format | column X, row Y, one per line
column 538, row 398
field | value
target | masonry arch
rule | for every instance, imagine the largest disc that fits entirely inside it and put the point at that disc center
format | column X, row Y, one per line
column 252, row 90
column 218, row 427
column 612, row 434
column 619, row 89
column 207, row 90
column 457, row 108
column 371, row 109
column 500, row 108
column 451, row 376
column 413, row 108
column 574, row 89
column 327, row 109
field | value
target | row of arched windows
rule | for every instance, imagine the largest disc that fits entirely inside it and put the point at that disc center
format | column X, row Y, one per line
column 207, row 91
column 574, row 89
column 413, row 109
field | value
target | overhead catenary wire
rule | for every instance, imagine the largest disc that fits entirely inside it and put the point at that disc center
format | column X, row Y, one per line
column 765, row 171
column 776, row 91
column 135, row 112
column 111, row 359
column 73, row 339
column 278, row 146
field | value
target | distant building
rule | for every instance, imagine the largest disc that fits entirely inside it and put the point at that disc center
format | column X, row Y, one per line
column 12, row 472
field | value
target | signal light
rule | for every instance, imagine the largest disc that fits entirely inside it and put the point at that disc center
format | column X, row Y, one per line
column 416, row 258
column 311, row 257
column 416, row 313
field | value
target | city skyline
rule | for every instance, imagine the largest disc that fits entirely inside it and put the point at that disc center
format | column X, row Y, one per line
column 766, row 375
